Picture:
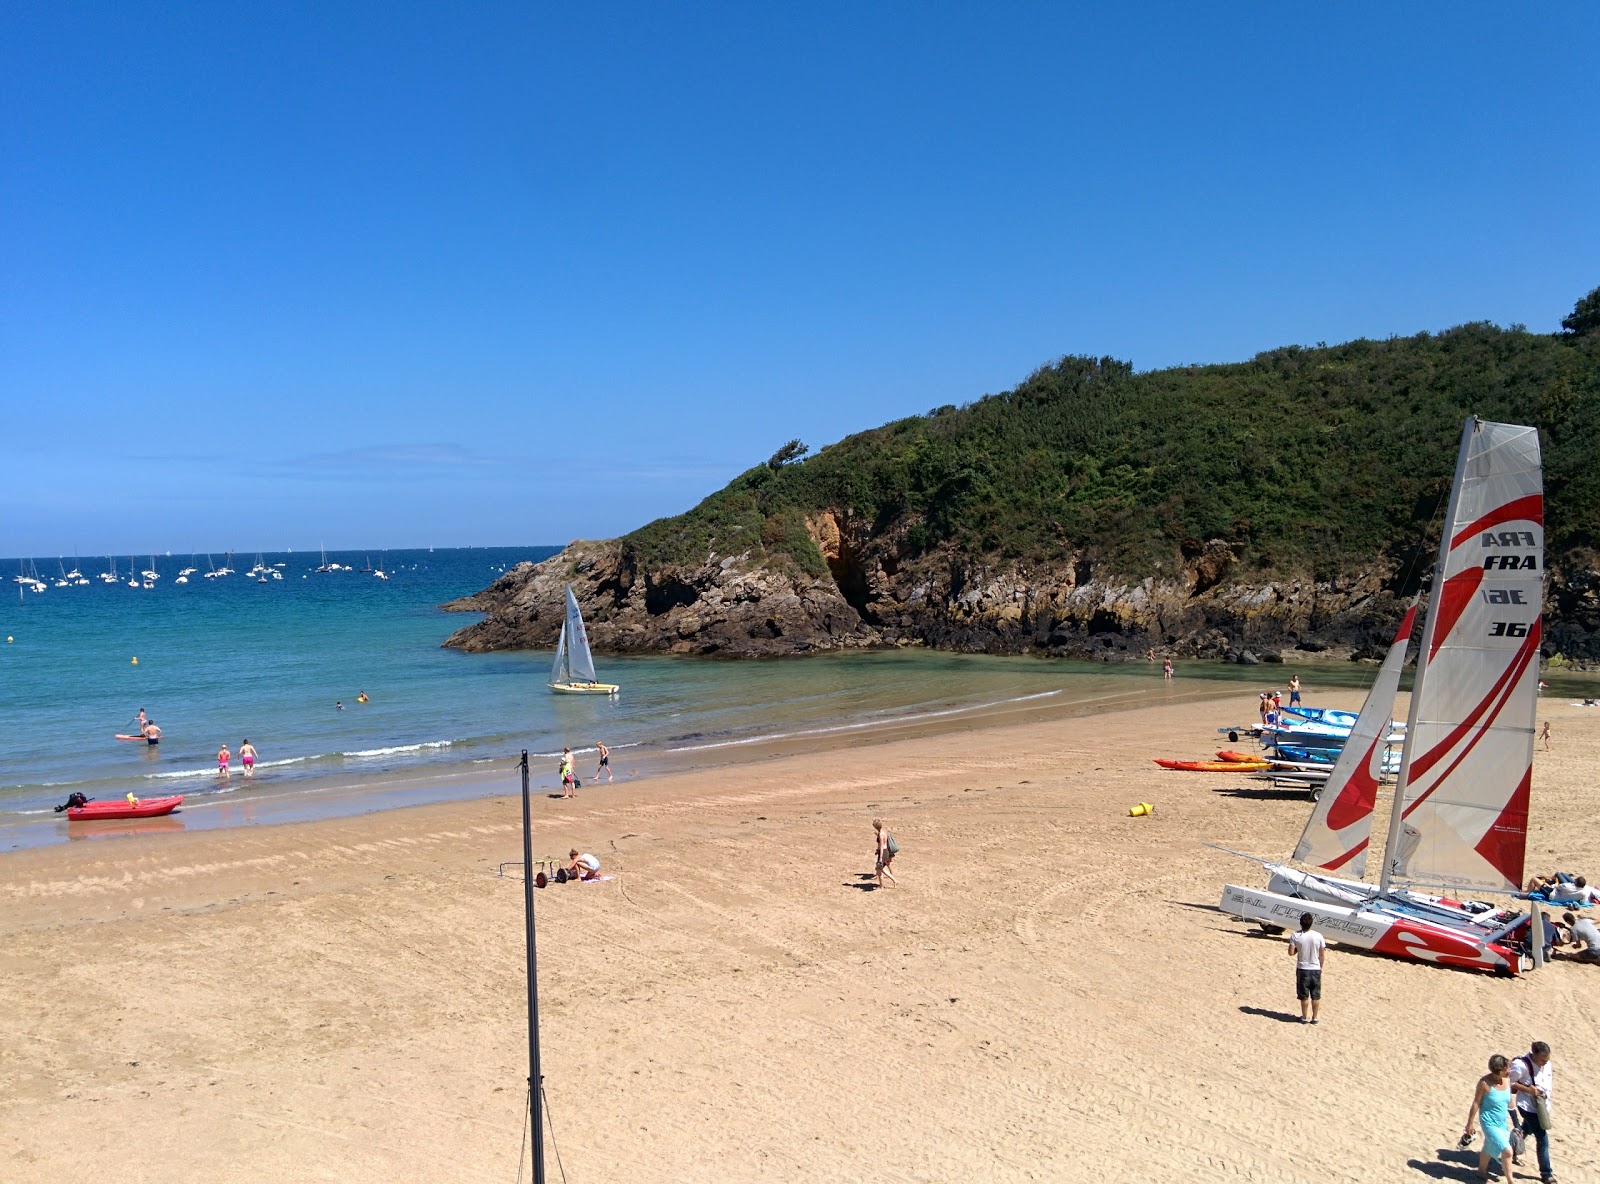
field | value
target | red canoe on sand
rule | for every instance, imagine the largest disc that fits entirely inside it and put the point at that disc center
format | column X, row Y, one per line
column 147, row 808
column 1215, row 766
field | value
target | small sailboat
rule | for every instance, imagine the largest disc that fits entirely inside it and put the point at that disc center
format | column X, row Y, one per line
column 1460, row 813
column 380, row 574
column 573, row 671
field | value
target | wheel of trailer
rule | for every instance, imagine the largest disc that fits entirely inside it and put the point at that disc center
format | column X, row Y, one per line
column 1233, row 737
column 1315, row 793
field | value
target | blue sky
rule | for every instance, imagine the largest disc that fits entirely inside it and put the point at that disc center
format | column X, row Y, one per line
column 388, row 275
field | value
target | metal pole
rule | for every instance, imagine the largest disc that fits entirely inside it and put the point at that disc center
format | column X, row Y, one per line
column 535, row 1078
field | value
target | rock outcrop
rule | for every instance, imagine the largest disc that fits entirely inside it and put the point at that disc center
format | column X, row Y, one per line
column 873, row 597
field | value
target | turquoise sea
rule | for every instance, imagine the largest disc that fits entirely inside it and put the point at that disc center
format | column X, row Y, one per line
column 223, row 659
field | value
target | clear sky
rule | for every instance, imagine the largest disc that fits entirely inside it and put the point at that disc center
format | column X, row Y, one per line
column 440, row 274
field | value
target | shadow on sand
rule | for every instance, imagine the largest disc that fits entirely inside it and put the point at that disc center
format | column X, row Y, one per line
column 1283, row 1017
column 1266, row 795
column 1453, row 1164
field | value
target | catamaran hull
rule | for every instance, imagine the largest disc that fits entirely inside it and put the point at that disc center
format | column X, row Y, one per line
column 583, row 688
column 1366, row 929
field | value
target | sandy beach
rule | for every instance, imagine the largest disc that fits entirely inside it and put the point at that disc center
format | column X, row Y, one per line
column 1050, row 993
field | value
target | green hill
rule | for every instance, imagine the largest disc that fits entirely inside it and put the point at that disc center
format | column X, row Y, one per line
column 1288, row 503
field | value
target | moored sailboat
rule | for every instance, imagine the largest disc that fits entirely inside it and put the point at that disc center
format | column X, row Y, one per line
column 1460, row 812
column 573, row 670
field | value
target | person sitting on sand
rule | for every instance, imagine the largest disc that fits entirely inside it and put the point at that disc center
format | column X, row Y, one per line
column 583, row 867
column 1584, row 935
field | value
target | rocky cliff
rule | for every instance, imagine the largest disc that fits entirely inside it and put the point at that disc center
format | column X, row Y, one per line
column 1201, row 606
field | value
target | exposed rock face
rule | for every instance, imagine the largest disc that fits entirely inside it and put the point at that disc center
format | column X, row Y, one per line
column 872, row 597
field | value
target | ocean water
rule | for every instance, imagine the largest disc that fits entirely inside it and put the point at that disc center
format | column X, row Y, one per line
column 220, row 660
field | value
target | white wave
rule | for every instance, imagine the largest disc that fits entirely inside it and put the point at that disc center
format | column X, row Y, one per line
column 181, row 773
column 878, row 722
column 390, row 751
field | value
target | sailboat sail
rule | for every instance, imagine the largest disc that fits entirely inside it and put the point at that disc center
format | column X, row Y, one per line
column 1467, row 763
column 559, row 673
column 1340, row 828
column 580, row 662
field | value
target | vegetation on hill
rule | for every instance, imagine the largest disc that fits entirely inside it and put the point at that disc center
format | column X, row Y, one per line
column 1307, row 460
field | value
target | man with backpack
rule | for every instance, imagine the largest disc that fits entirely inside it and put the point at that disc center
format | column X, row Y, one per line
column 1530, row 1085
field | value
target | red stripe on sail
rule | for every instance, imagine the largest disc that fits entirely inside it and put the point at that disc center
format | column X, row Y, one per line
column 1335, row 864
column 1497, row 697
column 1505, row 843
column 1522, row 509
column 1404, row 632
column 1359, row 795
column 1454, row 597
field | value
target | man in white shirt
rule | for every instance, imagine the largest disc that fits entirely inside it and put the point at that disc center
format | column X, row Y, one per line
column 1308, row 948
column 1530, row 1081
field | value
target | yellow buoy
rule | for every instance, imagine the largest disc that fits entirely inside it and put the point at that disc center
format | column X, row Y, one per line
column 1141, row 810
column 136, row 661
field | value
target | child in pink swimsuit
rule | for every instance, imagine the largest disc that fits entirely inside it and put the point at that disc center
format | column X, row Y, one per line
column 223, row 757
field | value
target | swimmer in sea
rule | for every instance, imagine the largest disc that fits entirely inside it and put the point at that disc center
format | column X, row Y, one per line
column 338, row 705
column 362, row 697
column 152, row 732
column 223, row 757
column 247, row 757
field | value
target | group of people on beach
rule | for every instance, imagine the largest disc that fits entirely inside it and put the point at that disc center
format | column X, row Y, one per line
column 247, row 758
column 1510, row 1103
column 569, row 778
column 1270, row 703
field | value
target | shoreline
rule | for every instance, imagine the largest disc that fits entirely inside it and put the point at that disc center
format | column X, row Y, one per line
column 350, row 794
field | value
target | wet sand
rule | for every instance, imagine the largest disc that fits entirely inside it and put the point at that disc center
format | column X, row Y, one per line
column 1050, row 994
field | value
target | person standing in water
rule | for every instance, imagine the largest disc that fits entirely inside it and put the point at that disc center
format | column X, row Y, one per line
column 152, row 732
column 605, row 763
column 1166, row 669
column 247, row 757
column 223, row 757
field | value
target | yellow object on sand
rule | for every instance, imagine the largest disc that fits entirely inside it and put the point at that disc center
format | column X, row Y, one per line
column 1142, row 810
column 132, row 801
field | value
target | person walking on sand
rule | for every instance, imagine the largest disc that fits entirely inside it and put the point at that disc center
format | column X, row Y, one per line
column 1545, row 735
column 247, row 757
column 1308, row 948
column 568, row 781
column 1530, row 1083
column 1491, row 1106
column 605, row 763
column 1294, row 691
column 223, row 757
column 888, row 848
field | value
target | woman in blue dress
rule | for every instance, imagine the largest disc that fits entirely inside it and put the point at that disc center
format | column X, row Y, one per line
column 1491, row 1106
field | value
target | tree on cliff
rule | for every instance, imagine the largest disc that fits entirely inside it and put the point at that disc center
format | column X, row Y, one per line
column 1585, row 316
column 792, row 451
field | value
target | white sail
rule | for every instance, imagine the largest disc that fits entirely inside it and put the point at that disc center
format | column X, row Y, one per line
column 1467, row 763
column 1340, row 828
column 580, row 662
column 559, row 673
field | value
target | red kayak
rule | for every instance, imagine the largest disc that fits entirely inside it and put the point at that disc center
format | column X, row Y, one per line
column 146, row 808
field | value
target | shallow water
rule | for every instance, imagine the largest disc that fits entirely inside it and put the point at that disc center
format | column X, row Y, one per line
column 225, row 659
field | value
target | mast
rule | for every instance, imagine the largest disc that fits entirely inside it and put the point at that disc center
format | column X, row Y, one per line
column 1430, row 625
column 535, row 1077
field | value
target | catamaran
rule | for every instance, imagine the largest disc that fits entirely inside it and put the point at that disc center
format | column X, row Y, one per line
column 573, row 671
column 1459, row 820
